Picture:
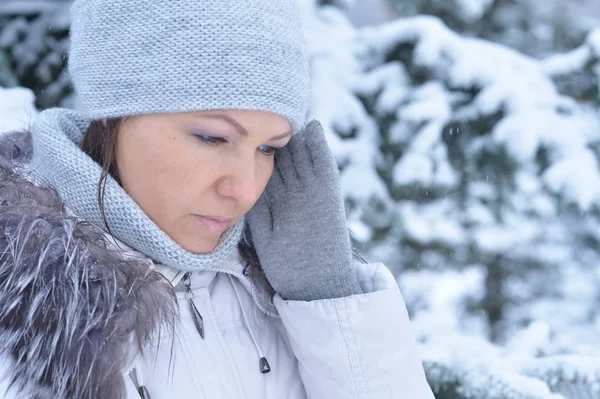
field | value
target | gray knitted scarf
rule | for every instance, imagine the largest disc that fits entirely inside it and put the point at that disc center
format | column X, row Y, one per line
column 59, row 162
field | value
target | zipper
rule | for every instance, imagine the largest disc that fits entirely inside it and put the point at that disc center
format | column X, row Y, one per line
column 143, row 392
column 189, row 295
column 268, row 311
column 185, row 279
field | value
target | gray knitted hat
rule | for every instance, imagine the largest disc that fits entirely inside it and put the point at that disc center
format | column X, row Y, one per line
column 131, row 57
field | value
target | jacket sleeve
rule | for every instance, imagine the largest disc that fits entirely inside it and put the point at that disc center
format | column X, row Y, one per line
column 359, row 346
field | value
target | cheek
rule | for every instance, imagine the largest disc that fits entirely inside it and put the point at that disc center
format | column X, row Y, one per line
column 157, row 180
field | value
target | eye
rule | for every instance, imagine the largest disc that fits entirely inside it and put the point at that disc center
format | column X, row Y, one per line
column 268, row 150
column 210, row 140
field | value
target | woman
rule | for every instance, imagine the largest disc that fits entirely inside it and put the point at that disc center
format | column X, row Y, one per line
column 201, row 250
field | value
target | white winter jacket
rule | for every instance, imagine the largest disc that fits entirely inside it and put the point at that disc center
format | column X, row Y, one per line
column 355, row 347
column 358, row 347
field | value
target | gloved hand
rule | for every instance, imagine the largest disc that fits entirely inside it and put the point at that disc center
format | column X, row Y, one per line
column 298, row 225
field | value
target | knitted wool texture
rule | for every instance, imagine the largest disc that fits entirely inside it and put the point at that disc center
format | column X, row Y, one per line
column 131, row 57
column 59, row 162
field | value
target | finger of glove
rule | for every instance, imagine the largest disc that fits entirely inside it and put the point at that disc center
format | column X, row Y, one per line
column 302, row 158
column 284, row 164
column 277, row 198
column 260, row 218
column 276, row 179
column 322, row 158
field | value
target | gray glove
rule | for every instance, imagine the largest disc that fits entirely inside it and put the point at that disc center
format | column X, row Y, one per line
column 298, row 225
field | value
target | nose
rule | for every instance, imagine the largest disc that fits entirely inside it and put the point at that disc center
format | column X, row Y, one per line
column 239, row 183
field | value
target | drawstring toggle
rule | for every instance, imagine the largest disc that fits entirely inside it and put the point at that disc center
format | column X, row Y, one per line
column 264, row 365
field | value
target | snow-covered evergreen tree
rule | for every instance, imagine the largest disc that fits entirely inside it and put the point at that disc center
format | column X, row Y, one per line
column 7, row 77
column 533, row 27
column 577, row 72
column 459, row 14
column 486, row 162
column 474, row 175
column 34, row 38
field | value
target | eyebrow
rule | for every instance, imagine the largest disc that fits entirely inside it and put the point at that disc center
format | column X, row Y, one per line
column 239, row 128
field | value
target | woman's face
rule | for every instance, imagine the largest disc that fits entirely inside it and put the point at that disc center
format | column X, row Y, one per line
column 187, row 169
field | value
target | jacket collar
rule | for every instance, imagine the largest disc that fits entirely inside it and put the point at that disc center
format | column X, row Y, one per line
column 249, row 274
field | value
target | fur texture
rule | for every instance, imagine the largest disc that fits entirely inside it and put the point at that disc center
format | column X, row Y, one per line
column 70, row 305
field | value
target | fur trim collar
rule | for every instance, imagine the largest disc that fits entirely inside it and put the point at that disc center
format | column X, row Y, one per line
column 69, row 304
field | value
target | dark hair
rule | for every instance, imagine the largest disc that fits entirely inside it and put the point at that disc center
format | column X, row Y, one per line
column 100, row 143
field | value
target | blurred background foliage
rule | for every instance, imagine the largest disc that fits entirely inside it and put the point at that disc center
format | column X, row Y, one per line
column 468, row 138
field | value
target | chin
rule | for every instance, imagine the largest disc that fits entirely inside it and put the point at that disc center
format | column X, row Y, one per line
column 200, row 248
column 195, row 240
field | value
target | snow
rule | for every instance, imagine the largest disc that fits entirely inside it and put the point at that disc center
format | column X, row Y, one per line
column 21, row 7
column 17, row 109
column 576, row 59
column 565, row 63
column 474, row 9
column 392, row 80
column 508, row 82
column 339, row 111
column 425, row 87
column 427, row 224
column 368, row 12
column 437, row 300
column 593, row 41
column 578, row 177
column 575, row 173
column 33, row 37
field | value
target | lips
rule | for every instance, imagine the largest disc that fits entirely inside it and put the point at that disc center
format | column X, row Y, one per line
column 217, row 218
column 217, row 224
